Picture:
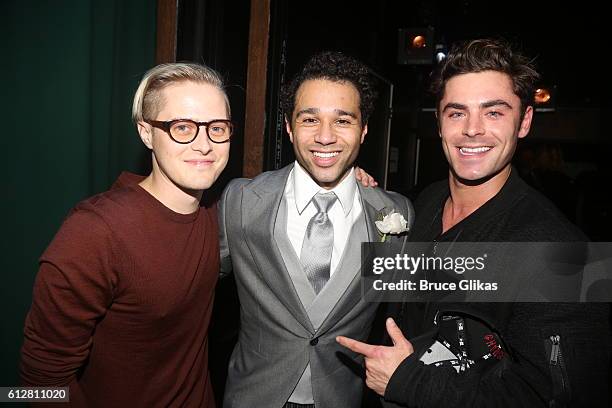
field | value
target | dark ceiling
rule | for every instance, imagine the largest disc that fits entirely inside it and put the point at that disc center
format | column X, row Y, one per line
column 567, row 41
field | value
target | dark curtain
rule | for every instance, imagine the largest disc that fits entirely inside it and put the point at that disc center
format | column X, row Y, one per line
column 69, row 70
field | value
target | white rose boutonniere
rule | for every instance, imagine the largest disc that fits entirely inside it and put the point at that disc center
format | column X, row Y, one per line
column 392, row 223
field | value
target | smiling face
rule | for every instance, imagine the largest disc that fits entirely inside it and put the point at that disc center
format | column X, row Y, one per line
column 326, row 129
column 479, row 118
column 191, row 167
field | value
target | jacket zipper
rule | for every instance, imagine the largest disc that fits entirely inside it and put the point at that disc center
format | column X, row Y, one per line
column 557, row 368
column 555, row 350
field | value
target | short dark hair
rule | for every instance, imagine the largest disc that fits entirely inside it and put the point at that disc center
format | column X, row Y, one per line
column 487, row 55
column 335, row 67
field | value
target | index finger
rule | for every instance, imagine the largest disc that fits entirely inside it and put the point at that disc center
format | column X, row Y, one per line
column 356, row 346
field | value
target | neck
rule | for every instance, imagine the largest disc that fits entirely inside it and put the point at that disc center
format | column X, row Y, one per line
column 465, row 198
column 172, row 196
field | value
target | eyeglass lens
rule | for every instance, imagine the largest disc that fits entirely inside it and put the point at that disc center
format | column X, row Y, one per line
column 184, row 131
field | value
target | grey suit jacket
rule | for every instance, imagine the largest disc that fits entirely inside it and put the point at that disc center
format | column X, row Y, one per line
column 277, row 339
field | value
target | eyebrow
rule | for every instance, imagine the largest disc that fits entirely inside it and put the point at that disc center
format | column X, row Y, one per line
column 309, row 111
column 487, row 104
column 496, row 102
column 345, row 113
column 312, row 111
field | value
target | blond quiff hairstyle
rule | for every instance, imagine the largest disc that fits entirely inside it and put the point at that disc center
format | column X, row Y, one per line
column 148, row 97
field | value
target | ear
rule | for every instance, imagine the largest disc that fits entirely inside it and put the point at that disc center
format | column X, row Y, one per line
column 526, row 122
column 146, row 134
column 438, row 124
column 363, row 133
column 288, row 128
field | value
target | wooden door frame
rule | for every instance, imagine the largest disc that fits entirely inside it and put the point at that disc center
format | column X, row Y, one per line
column 257, row 70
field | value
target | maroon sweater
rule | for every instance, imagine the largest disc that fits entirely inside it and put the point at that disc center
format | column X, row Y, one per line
column 122, row 303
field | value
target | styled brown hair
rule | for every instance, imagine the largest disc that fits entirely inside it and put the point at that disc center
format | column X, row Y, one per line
column 487, row 55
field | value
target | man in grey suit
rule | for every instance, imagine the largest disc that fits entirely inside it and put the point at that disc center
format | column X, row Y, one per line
column 286, row 236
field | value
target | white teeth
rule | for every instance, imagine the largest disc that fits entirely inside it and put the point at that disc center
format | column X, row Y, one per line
column 473, row 150
column 325, row 155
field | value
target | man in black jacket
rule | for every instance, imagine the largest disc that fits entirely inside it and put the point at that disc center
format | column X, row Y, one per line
column 554, row 354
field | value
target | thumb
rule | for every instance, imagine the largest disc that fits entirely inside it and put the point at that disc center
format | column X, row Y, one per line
column 397, row 337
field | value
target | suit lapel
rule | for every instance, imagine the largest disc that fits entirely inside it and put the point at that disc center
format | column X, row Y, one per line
column 372, row 207
column 260, row 205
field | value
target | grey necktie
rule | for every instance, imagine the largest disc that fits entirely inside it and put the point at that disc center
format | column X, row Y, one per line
column 318, row 242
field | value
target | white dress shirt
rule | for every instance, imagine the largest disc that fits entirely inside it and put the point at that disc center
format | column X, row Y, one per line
column 300, row 189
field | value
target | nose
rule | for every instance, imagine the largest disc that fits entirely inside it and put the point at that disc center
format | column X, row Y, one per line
column 326, row 134
column 202, row 143
column 473, row 126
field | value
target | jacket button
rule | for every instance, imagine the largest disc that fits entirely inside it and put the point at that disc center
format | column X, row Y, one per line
column 314, row 342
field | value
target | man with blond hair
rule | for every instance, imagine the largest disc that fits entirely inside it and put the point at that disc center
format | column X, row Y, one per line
column 123, row 297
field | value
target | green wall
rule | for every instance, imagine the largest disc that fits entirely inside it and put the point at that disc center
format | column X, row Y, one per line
column 69, row 70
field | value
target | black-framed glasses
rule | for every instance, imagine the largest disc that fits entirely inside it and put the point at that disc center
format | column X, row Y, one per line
column 185, row 131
